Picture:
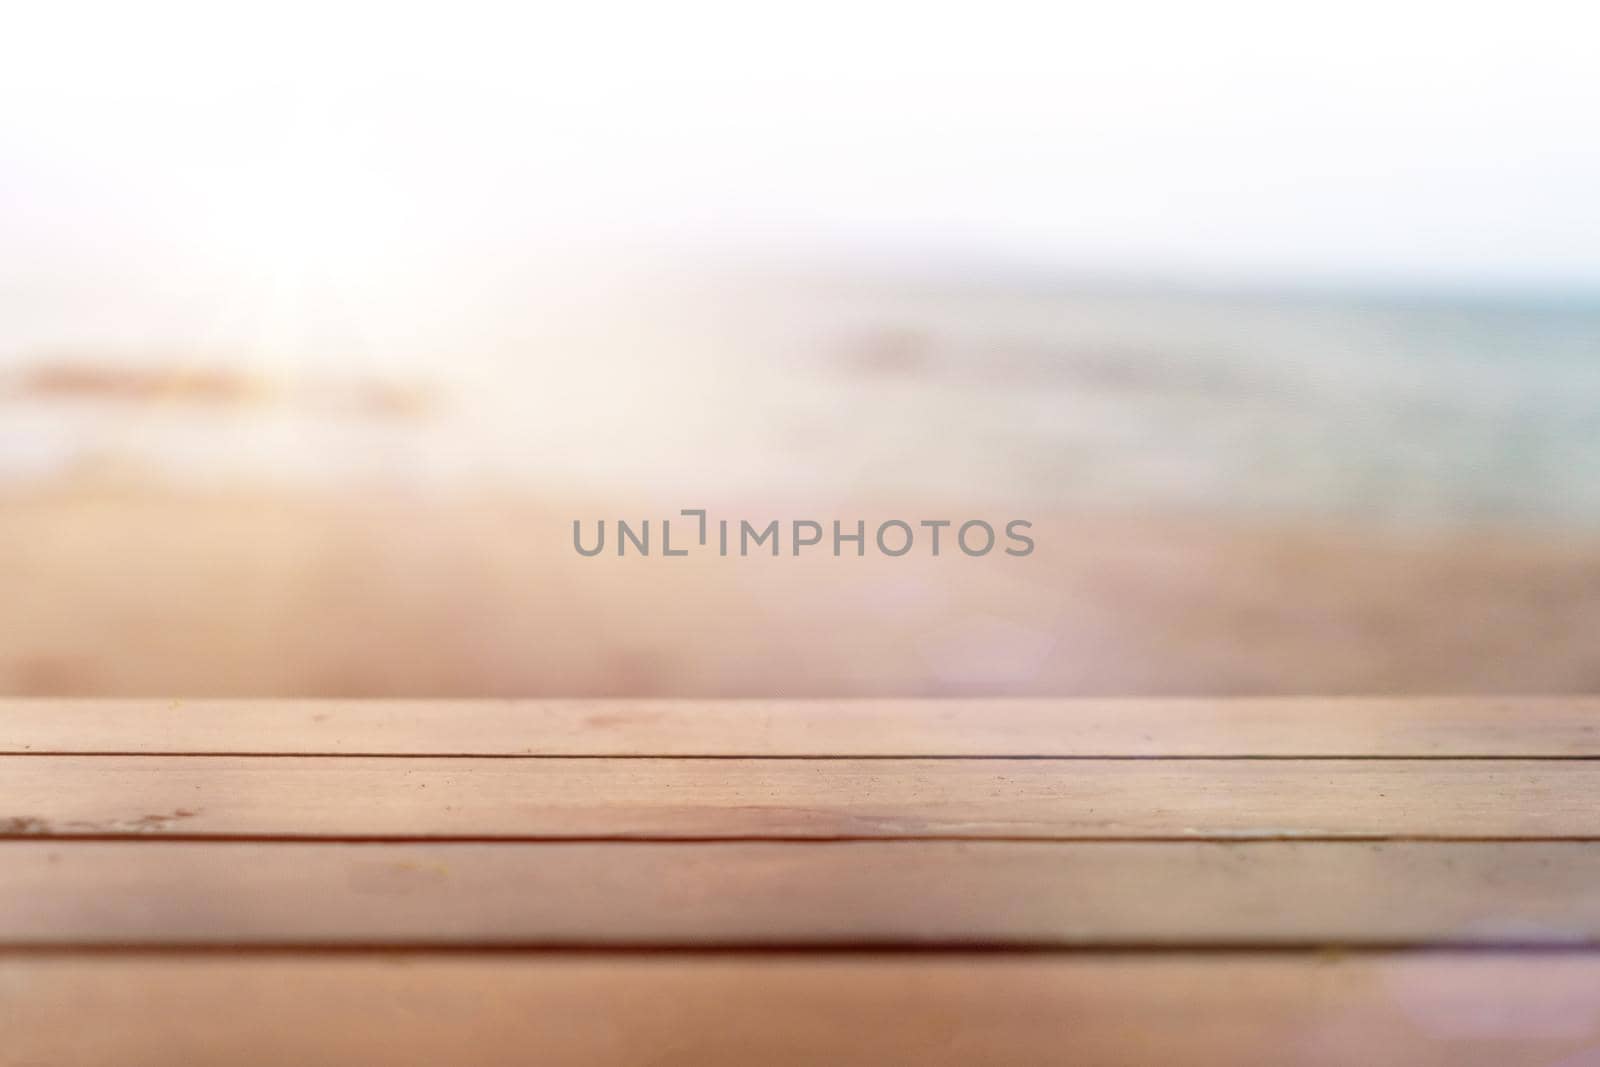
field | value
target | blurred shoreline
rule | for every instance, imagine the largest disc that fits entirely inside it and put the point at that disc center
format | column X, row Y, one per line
column 1232, row 494
column 1392, row 413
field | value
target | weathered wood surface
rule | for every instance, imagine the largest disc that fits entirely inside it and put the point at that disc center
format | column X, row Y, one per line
column 1178, row 882
column 1370, row 727
column 471, row 797
column 1033, row 895
column 1432, row 1010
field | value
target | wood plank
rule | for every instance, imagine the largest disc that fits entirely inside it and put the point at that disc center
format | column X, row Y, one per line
column 759, row 894
column 423, row 797
column 1528, row 727
column 1420, row 1010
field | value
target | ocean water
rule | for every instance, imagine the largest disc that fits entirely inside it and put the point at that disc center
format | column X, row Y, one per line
column 1366, row 408
column 1381, row 408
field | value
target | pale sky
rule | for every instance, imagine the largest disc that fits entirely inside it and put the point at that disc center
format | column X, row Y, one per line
column 157, row 158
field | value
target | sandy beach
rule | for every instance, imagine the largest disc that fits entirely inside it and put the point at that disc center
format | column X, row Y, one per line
column 142, row 591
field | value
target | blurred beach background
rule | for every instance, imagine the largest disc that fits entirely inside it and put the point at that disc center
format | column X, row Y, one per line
column 1282, row 328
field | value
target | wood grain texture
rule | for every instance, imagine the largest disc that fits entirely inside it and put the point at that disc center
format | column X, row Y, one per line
column 1548, row 726
column 1414, row 1010
column 931, row 894
column 423, row 797
column 270, row 882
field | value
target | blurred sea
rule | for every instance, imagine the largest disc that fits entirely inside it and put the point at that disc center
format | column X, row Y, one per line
column 1368, row 409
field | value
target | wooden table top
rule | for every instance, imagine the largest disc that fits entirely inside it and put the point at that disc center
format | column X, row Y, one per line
column 791, row 882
